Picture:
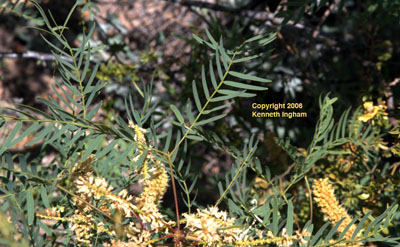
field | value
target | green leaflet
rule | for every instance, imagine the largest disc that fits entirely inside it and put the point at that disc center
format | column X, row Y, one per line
column 177, row 114
column 212, row 119
column 204, row 82
column 30, row 206
column 43, row 194
column 248, row 77
column 244, row 86
column 289, row 220
column 196, row 96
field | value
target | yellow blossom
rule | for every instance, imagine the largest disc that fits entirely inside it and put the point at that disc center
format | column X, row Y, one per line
column 155, row 186
column 370, row 111
column 212, row 226
column 139, row 132
column 98, row 188
column 155, row 183
column 325, row 197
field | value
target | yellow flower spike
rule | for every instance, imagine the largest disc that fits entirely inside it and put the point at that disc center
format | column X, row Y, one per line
column 145, row 171
column 371, row 111
column 155, row 186
column 139, row 132
column 155, row 182
column 213, row 226
column 324, row 195
column 51, row 217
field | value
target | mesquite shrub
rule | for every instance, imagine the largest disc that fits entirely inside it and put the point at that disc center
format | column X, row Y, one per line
column 84, row 195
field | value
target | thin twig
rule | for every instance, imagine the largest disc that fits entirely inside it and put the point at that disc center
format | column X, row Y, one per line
column 324, row 17
column 174, row 189
column 390, row 100
column 309, row 192
column 246, row 10
column 206, row 5
column 32, row 54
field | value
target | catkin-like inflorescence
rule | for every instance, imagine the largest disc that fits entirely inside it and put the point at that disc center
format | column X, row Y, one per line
column 98, row 188
column 324, row 195
column 155, row 183
column 213, row 227
column 155, row 186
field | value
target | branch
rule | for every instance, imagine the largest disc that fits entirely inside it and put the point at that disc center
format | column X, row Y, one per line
column 49, row 57
column 32, row 54
column 324, row 17
column 247, row 11
column 37, row 55
column 206, row 5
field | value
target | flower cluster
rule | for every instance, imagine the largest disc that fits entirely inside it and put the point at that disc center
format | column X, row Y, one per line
column 324, row 195
column 145, row 209
column 155, row 186
column 98, row 188
column 85, row 227
column 283, row 241
column 155, row 183
column 371, row 111
column 212, row 226
column 207, row 227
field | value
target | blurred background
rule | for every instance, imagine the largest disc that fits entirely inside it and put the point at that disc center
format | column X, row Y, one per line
column 350, row 48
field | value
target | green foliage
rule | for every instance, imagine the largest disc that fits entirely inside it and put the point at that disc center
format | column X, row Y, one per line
column 120, row 152
column 107, row 72
column 18, row 8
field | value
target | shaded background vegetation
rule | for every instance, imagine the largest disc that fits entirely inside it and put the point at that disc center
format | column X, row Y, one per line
column 347, row 47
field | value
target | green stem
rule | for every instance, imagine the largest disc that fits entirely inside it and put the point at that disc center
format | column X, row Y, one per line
column 235, row 177
column 207, row 102
column 174, row 189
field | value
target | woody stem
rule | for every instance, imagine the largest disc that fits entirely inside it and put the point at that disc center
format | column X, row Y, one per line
column 174, row 189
